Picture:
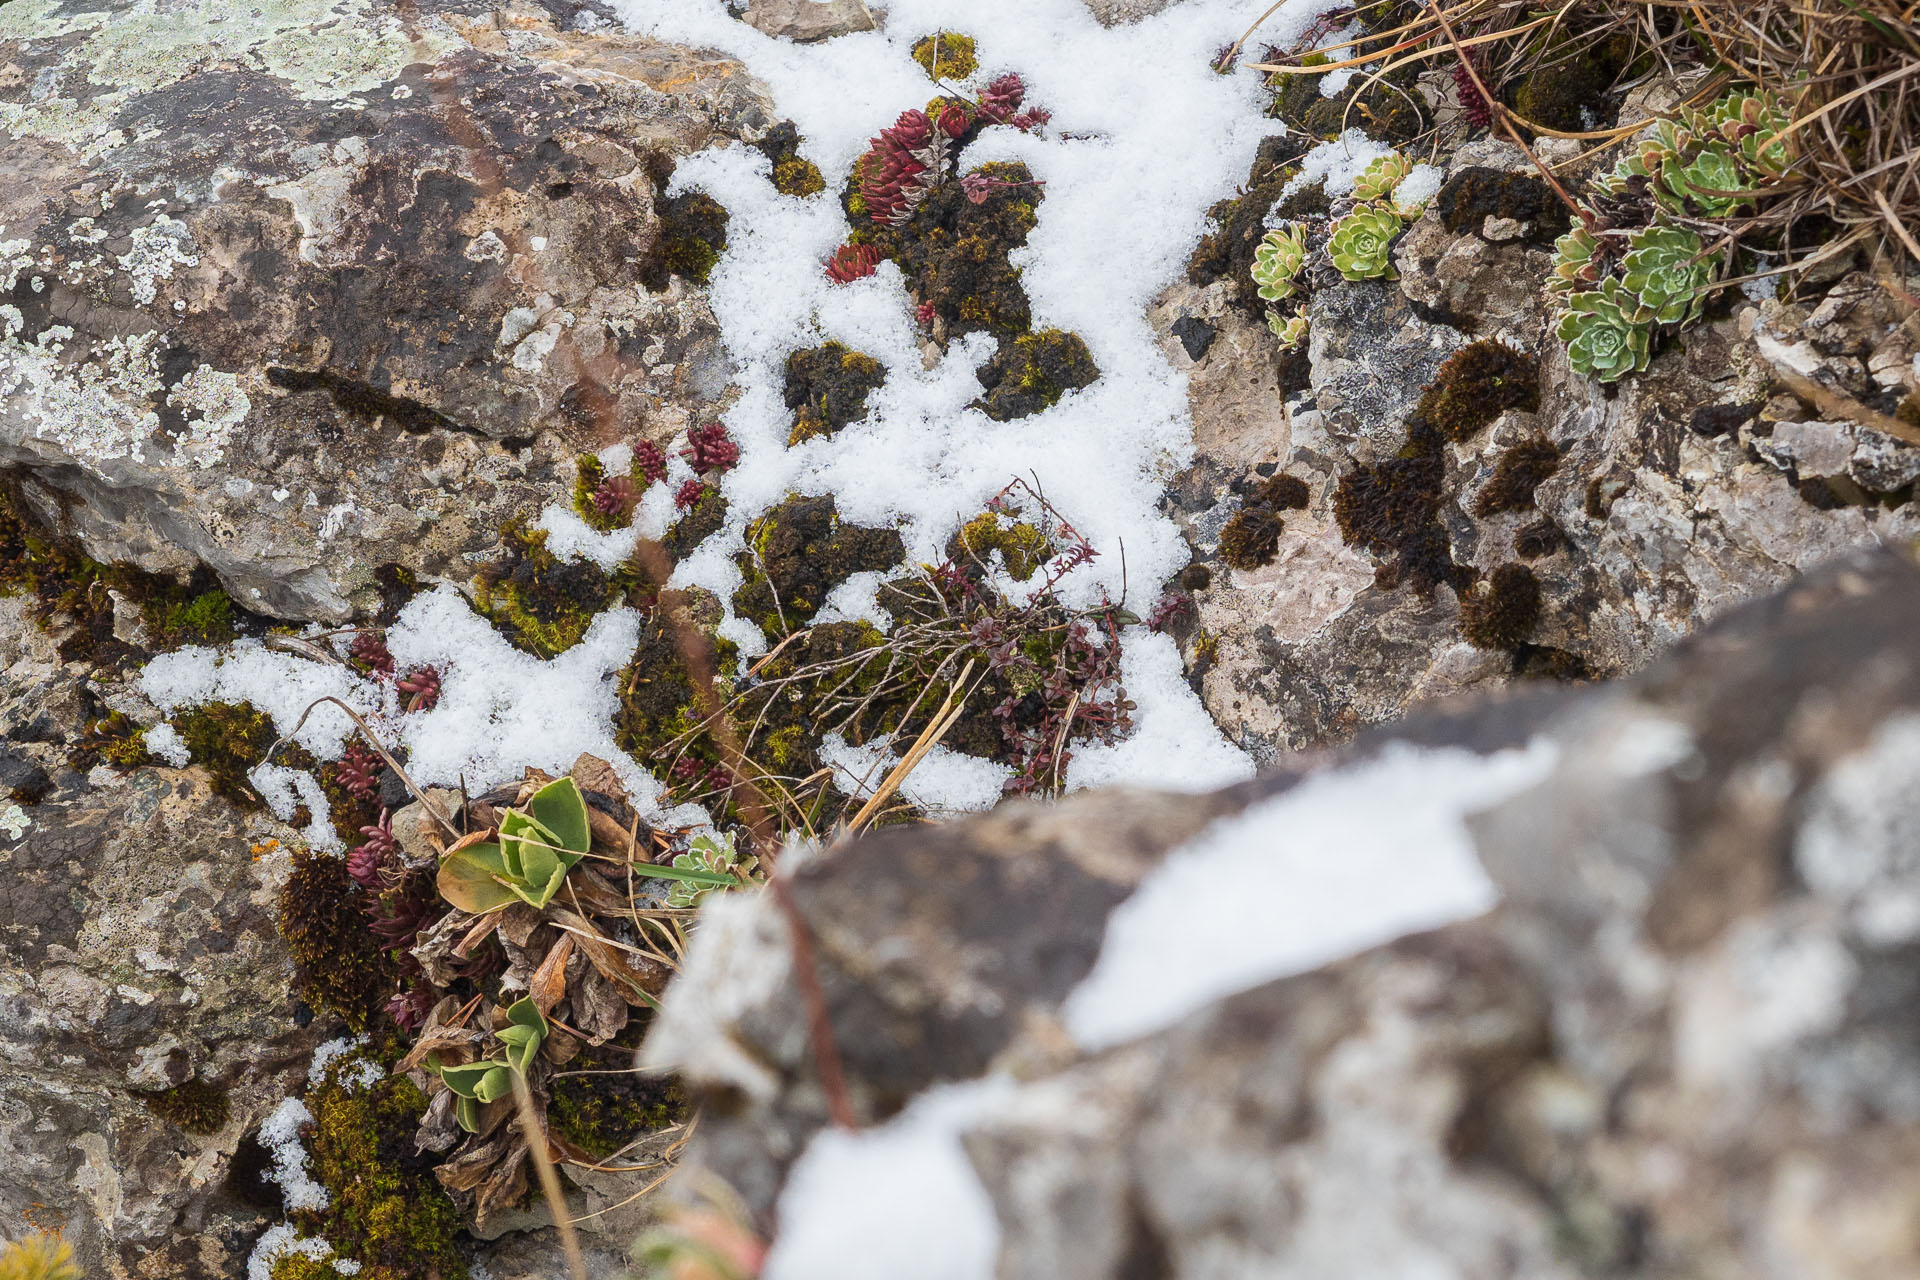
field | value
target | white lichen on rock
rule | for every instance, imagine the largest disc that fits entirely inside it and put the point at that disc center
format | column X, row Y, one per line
column 157, row 249
column 215, row 405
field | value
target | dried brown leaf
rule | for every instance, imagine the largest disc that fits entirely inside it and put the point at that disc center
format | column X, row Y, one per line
column 548, row 986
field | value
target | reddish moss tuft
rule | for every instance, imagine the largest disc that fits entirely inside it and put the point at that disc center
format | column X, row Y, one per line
column 1251, row 539
column 193, row 1107
column 1477, row 384
column 1501, row 611
column 1283, row 493
column 1520, row 470
column 339, row 963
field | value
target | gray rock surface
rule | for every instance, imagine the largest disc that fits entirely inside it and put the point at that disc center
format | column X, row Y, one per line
column 345, row 291
column 808, row 21
column 1682, row 1046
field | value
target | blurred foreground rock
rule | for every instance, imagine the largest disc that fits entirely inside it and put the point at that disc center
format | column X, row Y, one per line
column 1684, row 1045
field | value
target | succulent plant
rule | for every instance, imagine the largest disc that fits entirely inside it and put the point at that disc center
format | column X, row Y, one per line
column 1753, row 123
column 1292, row 331
column 1606, row 330
column 532, row 854
column 1710, row 182
column 1667, row 270
column 1574, row 261
column 1361, row 244
column 710, row 863
column 490, row 1079
column 1646, row 157
column 1277, row 261
column 1378, row 179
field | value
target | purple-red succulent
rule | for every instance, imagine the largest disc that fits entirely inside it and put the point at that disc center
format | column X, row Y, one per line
column 901, row 164
column 1175, row 607
column 650, row 461
column 954, row 120
column 999, row 100
column 925, row 313
column 689, row 494
column 1473, row 103
column 852, row 262
column 370, row 651
column 358, row 770
column 366, row 860
column 710, row 448
column 421, row 688
column 615, row 496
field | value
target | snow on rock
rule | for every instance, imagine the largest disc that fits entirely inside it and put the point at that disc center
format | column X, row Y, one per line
column 1341, row 862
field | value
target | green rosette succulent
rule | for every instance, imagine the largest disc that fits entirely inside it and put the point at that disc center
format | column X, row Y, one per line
column 1666, row 268
column 1277, row 260
column 1647, row 157
column 710, row 863
column 1606, row 331
column 475, row 1084
column 1576, row 262
column 535, row 850
column 1362, row 242
column 1753, row 123
column 1711, row 182
column 1291, row 331
column 1378, row 179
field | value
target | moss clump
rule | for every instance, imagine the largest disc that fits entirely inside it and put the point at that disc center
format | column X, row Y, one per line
column 589, row 475
column 541, row 603
column 386, row 1211
column 194, row 1107
column 1022, row 547
column 1477, row 384
column 1283, row 493
column 1239, row 224
column 657, row 702
column 112, row 739
column 338, row 962
column 601, row 1113
column 1251, row 538
column 1501, row 611
column 1391, row 510
column 954, row 252
column 1521, row 469
column 227, row 739
column 1387, row 112
column 1033, row 371
column 827, row 388
column 797, row 553
column 348, row 812
column 946, row 55
column 1564, row 89
column 792, row 174
column 1476, row 193
column 1539, row 539
column 693, row 231
column 701, row 521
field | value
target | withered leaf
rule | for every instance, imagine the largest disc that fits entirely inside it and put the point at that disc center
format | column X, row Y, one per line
column 631, row 973
column 439, row 1127
column 506, row 1186
column 599, row 1006
column 549, row 983
column 595, row 774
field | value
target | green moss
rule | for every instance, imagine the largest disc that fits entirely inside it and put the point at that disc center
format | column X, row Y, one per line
column 386, row 1211
column 1501, row 611
column 1022, row 547
column 112, row 739
column 797, row 553
column 946, row 55
column 541, row 603
column 827, row 388
column 1031, row 373
column 176, row 616
column 798, row 176
column 1477, row 384
column 1521, row 469
column 1563, row 91
column 338, row 961
column 193, row 1107
column 604, row 1112
column 227, row 739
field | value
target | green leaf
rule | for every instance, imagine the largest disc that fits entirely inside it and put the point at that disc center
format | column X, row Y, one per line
column 470, row 878
column 716, row 879
column 517, row 830
column 465, row 1079
column 467, row 1112
column 525, row 1013
column 562, row 810
column 496, row 1084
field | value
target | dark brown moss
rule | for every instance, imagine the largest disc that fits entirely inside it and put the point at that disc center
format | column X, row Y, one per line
column 693, row 231
column 827, row 388
column 793, row 175
column 193, row 1107
column 1033, row 371
column 603, row 1103
column 954, row 252
column 1501, row 611
column 338, row 962
column 1196, row 577
column 1476, row 193
column 538, row 601
column 1602, row 492
column 1541, row 538
column 228, row 739
column 797, row 553
column 1520, row 469
column 1239, row 224
column 1477, row 384
column 1391, row 510
column 698, row 523
column 1283, row 493
column 1570, row 87
column 1251, row 538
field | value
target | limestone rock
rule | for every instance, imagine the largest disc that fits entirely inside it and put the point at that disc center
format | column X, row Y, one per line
column 808, row 21
column 337, row 283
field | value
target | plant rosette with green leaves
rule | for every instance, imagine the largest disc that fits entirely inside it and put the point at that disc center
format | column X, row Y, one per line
column 1361, row 244
column 1291, row 331
column 1378, row 179
column 1607, row 331
column 1667, row 269
column 475, row 1084
column 1277, row 261
column 711, row 864
column 530, row 856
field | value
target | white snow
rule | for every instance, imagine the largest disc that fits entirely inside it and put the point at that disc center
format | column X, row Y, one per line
column 163, row 743
column 277, row 1242
column 898, row 1200
column 1337, row 162
column 1342, row 861
column 944, row 783
column 280, row 1134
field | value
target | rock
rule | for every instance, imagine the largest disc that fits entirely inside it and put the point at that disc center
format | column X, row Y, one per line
column 808, row 21
column 1114, row 13
column 1680, row 1045
column 348, row 293
column 138, row 951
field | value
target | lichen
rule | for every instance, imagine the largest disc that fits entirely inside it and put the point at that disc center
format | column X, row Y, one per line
column 194, row 1106
column 827, row 388
column 1031, row 372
